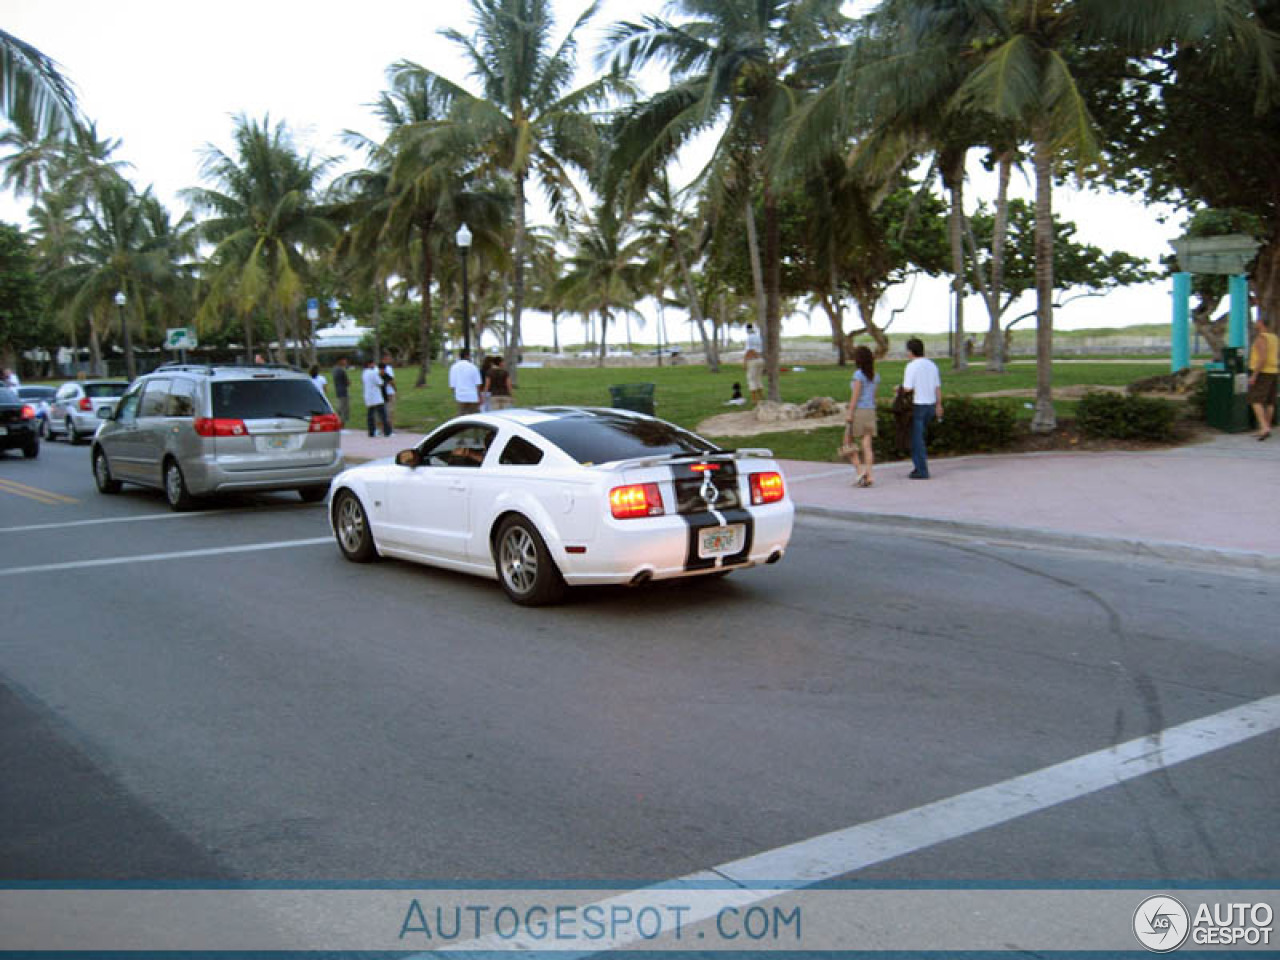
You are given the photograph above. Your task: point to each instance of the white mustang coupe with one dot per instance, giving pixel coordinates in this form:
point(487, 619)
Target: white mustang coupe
point(554, 496)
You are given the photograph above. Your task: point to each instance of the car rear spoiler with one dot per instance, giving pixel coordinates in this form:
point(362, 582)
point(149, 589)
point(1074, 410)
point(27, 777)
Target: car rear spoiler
point(636, 463)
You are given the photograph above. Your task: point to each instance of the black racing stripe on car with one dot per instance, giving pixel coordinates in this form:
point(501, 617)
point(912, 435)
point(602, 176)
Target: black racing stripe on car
point(704, 519)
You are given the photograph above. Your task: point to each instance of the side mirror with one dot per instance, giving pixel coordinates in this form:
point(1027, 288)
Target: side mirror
point(409, 458)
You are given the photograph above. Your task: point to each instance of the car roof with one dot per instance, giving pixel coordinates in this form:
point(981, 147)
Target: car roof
point(260, 371)
point(528, 416)
point(81, 383)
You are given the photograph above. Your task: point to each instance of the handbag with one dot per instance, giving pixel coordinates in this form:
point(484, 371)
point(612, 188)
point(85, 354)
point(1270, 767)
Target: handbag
point(849, 443)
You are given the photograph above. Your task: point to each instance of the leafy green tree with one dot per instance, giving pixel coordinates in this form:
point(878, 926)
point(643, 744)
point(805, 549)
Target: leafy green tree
point(20, 300)
point(265, 217)
point(736, 66)
point(33, 90)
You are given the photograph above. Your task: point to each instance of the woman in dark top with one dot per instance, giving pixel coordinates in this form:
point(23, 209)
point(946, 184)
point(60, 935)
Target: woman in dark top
point(497, 383)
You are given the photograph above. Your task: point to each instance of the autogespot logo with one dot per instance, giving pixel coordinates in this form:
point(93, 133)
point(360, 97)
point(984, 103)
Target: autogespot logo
point(1161, 924)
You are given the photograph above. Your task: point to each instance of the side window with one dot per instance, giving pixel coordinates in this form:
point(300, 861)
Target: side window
point(464, 447)
point(182, 399)
point(520, 452)
point(155, 396)
point(127, 411)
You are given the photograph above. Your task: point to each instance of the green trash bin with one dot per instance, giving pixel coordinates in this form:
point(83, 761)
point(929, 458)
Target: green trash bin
point(637, 397)
point(1227, 393)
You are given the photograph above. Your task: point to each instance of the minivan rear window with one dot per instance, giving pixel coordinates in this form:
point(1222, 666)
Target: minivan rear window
point(604, 437)
point(264, 399)
point(105, 389)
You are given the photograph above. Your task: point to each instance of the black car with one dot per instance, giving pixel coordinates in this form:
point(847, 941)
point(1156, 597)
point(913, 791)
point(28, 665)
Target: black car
point(18, 424)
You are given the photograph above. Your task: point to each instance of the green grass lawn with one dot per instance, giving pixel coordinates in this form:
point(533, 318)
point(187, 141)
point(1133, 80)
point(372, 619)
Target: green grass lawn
point(688, 394)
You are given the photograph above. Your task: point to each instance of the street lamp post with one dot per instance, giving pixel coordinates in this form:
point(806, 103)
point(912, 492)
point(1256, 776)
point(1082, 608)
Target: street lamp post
point(463, 237)
point(129, 368)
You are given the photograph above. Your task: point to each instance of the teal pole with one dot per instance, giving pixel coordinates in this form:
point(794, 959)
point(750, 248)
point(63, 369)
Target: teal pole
point(1181, 346)
point(1237, 325)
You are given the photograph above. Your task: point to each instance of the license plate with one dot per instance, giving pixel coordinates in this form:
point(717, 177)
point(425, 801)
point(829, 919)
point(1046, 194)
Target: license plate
point(720, 541)
point(278, 441)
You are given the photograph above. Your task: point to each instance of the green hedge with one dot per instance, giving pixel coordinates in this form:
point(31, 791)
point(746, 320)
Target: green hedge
point(968, 426)
point(1115, 416)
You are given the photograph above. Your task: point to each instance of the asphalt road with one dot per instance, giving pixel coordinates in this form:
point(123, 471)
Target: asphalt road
point(219, 695)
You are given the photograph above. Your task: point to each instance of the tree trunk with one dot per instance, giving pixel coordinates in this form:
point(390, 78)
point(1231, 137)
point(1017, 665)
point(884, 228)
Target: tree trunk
point(757, 273)
point(773, 293)
point(997, 357)
point(604, 328)
point(248, 338)
point(517, 286)
point(424, 327)
point(835, 316)
point(1044, 419)
point(95, 350)
point(555, 330)
point(954, 179)
point(1266, 283)
point(282, 335)
point(867, 313)
point(709, 347)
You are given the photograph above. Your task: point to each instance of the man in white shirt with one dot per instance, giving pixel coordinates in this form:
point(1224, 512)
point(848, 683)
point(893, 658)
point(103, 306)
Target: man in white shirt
point(922, 377)
point(753, 362)
point(375, 405)
point(464, 381)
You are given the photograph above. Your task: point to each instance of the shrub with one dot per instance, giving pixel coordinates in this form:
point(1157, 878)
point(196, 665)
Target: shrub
point(968, 426)
point(1114, 416)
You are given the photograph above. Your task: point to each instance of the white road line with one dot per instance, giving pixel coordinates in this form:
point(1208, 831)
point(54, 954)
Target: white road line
point(147, 516)
point(831, 855)
point(153, 557)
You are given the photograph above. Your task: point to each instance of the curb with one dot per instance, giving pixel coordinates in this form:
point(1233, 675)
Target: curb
point(1031, 536)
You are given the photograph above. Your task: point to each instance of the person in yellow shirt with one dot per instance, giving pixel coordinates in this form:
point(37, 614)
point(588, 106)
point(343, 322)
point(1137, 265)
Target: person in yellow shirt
point(1264, 365)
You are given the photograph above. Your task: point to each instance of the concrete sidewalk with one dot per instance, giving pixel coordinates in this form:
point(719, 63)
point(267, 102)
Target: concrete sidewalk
point(1211, 502)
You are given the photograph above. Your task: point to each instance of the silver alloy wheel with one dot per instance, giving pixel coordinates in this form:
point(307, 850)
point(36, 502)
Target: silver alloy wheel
point(100, 471)
point(72, 436)
point(173, 487)
point(350, 525)
point(519, 559)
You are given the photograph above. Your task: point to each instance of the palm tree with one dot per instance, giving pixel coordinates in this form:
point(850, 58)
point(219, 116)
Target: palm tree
point(526, 124)
point(265, 218)
point(33, 91)
point(736, 63)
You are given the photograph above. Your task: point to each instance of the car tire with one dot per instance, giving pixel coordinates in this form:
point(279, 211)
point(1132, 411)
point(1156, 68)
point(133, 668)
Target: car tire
point(72, 436)
point(102, 474)
point(351, 528)
point(175, 487)
point(526, 571)
point(312, 494)
point(31, 450)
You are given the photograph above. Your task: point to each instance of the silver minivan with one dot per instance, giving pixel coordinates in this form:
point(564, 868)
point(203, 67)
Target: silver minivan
point(192, 430)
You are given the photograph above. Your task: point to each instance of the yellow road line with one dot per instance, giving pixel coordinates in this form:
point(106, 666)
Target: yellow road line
point(33, 493)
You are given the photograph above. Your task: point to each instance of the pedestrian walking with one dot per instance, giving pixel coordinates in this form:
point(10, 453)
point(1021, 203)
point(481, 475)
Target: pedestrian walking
point(497, 385)
point(388, 374)
point(753, 363)
point(318, 378)
point(342, 389)
point(484, 383)
point(860, 429)
point(1264, 366)
point(375, 405)
point(464, 380)
point(922, 378)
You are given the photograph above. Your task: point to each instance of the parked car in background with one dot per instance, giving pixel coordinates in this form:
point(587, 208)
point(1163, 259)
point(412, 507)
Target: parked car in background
point(39, 397)
point(544, 498)
point(18, 424)
point(191, 430)
point(73, 411)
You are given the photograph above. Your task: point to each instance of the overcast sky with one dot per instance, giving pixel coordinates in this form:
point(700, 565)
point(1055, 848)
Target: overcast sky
point(167, 76)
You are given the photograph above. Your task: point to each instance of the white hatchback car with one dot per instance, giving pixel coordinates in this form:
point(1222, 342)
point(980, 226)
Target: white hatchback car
point(552, 496)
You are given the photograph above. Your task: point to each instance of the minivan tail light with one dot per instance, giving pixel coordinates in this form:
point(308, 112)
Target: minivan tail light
point(636, 500)
point(325, 423)
point(220, 427)
point(766, 488)
point(86, 404)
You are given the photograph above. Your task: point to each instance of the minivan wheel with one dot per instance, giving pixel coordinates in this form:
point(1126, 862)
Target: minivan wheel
point(72, 436)
point(175, 487)
point(102, 474)
point(525, 569)
point(351, 527)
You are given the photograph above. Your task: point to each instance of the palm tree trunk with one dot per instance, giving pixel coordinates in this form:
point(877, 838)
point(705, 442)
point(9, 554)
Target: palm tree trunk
point(604, 328)
point(424, 328)
point(695, 311)
point(1044, 420)
point(282, 335)
point(757, 273)
point(954, 178)
point(996, 357)
point(248, 337)
point(517, 286)
point(773, 293)
point(95, 349)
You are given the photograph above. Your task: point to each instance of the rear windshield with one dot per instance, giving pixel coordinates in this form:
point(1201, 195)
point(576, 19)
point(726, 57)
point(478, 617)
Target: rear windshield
point(105, 389)
point(263, 399)
point(605, 437)
point(36, 393)
point(8, 396)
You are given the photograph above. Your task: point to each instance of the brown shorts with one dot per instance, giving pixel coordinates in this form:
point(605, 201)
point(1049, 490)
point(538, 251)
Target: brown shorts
point(1263, 390)
point(864, 422)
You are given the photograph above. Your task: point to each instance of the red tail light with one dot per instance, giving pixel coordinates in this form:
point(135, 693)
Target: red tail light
point(636, 500)
point(218, 427)
point(28, 412)
point(766, 488)
point(325, 423)
point(86, 404)
point(704, 467)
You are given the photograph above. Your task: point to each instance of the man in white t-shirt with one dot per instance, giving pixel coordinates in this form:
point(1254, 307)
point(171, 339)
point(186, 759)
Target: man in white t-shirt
point(464, 381)
point(922, 377)
point(753, 362)
point(374, 403)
